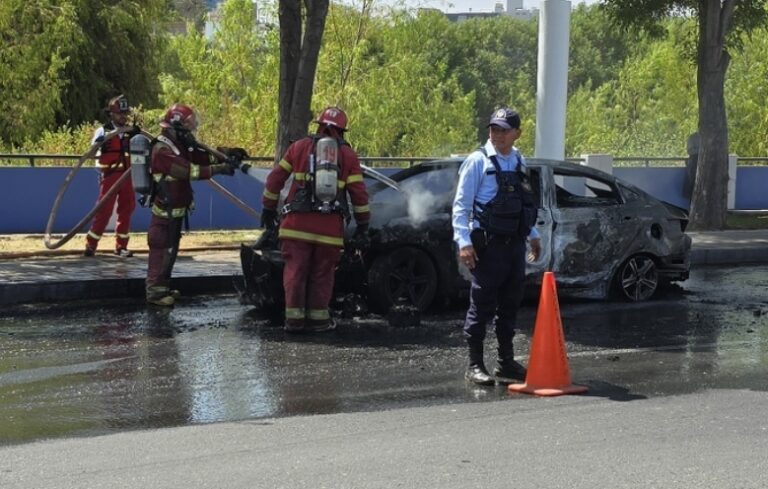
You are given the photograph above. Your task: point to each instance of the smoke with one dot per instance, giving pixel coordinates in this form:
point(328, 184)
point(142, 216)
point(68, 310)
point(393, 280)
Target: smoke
point(421, 202)
point(421, 196)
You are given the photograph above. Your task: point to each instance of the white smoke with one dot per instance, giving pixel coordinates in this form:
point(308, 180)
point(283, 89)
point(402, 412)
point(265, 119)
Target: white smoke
point(421, 202)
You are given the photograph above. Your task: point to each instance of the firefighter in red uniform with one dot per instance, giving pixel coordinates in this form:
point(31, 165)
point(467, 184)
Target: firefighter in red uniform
point(324, 170)
point(113, 161)
point(176, 160)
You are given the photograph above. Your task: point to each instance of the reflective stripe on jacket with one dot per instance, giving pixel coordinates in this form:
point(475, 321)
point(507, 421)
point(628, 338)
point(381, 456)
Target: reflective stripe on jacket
point(316, 227)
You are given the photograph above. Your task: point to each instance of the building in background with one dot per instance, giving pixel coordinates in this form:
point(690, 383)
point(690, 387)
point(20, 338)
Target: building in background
point(261, 17)
point(514, 8)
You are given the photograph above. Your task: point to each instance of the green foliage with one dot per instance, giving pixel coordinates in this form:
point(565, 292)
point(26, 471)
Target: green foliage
point(231, 80)
point(394, 82)
point(496, 59)
point(650, 109)
point(746, 92)
point(412, 83)
point(67, 58)
point(598, 48)
point(38, 39)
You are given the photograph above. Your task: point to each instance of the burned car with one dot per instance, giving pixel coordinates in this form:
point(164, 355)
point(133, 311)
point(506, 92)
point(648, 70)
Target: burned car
point(601, 237)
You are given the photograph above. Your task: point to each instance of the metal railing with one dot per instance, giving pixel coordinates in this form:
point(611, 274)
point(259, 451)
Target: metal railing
point(57, 160)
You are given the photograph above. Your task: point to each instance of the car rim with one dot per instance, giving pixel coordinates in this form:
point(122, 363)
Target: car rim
point(639, 278)
point(408, 279)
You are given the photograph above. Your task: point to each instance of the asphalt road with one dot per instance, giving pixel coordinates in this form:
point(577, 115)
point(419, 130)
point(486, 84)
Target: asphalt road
point(677, 396)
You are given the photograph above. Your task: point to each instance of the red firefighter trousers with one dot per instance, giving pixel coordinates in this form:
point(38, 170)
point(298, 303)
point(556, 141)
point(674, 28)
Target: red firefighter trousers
point(126, 203)
point(163, 237)
point(308, 277)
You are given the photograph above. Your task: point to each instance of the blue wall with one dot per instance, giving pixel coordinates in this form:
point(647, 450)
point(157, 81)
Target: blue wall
point(27, 195)
point(663, 183)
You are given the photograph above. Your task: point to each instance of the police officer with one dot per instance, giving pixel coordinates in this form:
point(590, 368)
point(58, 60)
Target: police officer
point(493, 215)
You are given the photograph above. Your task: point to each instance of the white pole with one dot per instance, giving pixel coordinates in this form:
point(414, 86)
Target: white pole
point(552, 85)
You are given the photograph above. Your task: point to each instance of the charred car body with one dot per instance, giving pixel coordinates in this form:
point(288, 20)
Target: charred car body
point(600, 236)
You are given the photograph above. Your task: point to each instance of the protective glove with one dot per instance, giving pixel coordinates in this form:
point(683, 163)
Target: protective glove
point(222, 169)
point(233, 162)
point(129, 131)
point(360, 239)
point(239, 154)
point(269, 219)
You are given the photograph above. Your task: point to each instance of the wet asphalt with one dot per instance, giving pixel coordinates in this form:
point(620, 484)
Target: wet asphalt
point(84, 369)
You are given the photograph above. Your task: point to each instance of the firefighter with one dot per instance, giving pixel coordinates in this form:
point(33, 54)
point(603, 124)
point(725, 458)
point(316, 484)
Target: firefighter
point(113, 161)
point(176, 160)
point(325, 169)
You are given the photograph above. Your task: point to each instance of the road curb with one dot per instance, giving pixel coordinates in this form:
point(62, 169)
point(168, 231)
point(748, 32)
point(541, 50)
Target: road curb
point(108, 289)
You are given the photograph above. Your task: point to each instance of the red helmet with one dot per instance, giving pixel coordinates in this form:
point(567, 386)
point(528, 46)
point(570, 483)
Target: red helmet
point(333, 116)
point(180, 116)
point(118, 105)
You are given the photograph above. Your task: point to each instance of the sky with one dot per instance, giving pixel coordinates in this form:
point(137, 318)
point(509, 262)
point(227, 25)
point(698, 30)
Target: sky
point(451, 6)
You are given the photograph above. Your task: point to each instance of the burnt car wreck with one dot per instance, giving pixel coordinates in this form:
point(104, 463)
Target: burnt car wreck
point(601, 236)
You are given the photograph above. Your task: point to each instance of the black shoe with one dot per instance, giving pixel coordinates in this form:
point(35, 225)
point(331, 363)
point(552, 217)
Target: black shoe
point(294, 327)
point(89, 251)
point(510, 372)
point(124, 252)
point(320, 326)
point(478, 375)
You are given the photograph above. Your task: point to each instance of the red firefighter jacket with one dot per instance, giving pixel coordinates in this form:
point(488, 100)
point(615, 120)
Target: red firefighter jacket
point(316, 227)
point(173, 168)
point(114, 155)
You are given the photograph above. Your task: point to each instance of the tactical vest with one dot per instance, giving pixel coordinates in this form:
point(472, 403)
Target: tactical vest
point(512, 211)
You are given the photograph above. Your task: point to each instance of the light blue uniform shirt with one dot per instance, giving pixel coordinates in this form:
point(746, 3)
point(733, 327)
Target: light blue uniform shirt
point(475, 185)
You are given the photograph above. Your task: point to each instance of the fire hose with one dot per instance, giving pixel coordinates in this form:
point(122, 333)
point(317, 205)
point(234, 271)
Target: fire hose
point(47, 239)
point(65, 185)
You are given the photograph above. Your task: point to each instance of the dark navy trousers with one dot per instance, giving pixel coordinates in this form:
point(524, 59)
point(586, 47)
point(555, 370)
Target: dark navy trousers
point(498, 283)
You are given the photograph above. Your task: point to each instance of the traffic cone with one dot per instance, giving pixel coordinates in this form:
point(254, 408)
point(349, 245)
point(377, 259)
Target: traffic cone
point(548, 371)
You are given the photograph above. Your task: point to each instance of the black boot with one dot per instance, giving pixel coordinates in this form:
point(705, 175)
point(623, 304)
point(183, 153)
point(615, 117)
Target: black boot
point(508, 370)
point(476, 372)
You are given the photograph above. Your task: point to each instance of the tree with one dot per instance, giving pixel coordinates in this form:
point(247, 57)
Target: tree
point(654, 94)
point(298, 63)
point(720, 22)
point(746, 95)
point(229, 79)
point(496, 58)
point(391, 74)
point(38, 38)
point(63, 59)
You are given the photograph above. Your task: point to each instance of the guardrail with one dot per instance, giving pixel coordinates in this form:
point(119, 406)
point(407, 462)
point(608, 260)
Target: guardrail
point(58, 160)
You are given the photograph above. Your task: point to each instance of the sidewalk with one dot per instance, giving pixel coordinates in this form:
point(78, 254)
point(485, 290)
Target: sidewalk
point(72, 277)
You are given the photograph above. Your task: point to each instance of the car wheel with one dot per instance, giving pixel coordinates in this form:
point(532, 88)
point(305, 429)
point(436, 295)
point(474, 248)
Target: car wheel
point(407, 274)
point(637, 278)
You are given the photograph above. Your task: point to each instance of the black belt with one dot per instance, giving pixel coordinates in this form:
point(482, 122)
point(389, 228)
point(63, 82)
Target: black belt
point(500, 238)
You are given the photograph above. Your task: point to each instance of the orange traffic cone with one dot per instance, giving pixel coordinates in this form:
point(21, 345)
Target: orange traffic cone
point(548, 371)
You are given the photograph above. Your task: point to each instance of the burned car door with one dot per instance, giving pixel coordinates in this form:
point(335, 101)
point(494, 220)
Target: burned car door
point(539, 176)
point(592, 230)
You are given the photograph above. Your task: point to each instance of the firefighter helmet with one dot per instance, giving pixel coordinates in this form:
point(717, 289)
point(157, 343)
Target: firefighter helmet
point(180, 116)
point(118, 105)
point(333, 116)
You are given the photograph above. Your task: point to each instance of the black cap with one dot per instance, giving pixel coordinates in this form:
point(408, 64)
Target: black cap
point(506, 118)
